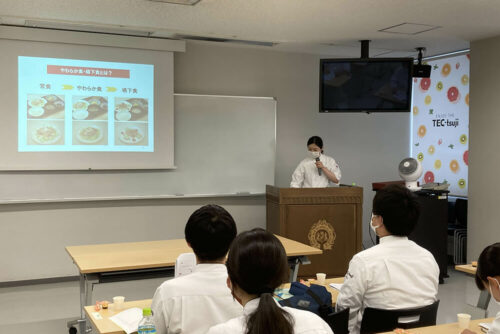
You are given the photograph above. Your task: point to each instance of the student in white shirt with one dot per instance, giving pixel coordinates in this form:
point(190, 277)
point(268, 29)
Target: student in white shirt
point(395, 274)
point(316, 171)
point(257, 264)
point(193, 303)
point(488, 277)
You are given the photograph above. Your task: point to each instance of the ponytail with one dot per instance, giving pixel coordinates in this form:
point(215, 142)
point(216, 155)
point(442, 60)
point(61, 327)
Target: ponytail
point(257, 264)
point(269, 318)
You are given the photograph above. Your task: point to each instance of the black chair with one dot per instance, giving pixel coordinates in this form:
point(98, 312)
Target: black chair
point(377, 320)
point(339, 321)
point(461, 211)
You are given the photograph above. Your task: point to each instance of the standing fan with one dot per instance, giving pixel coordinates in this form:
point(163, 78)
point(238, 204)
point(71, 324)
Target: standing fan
point(410, 170)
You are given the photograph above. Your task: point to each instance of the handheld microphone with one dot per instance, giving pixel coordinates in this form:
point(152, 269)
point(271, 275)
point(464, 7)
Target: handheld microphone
point(319, 169)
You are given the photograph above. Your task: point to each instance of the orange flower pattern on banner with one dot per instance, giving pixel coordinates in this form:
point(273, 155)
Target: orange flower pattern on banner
point(445, 71)
point(422, 131)
point(440, 126)
point(454, 166)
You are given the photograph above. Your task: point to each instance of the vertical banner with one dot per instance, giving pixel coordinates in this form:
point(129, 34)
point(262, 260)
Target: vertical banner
point(440, 123)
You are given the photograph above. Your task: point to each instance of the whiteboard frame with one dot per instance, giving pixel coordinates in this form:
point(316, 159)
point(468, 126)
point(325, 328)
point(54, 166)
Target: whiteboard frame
point(125, 198)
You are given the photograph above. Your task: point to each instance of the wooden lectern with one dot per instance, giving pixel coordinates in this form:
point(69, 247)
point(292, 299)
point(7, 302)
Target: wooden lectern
point(326, 218)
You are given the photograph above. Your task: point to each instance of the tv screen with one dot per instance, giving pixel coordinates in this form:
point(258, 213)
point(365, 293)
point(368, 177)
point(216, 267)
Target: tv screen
point(371, 85)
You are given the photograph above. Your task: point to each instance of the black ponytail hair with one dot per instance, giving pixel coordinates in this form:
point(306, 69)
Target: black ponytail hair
point(488, 264)
point(316, 141)
point(257, 264)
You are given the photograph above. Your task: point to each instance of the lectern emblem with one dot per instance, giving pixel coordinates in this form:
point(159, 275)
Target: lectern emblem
point(322, 235)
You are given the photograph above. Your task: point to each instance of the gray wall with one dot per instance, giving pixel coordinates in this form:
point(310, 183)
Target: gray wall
point(368, 148)
point(484, 120)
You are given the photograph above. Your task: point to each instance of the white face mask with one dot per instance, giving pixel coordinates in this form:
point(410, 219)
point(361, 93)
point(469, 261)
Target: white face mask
point(491, 292)
point(374, 228)
point(314, 154)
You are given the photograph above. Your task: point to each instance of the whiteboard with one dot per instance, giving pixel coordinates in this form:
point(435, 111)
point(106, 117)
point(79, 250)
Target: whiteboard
point(224, 145)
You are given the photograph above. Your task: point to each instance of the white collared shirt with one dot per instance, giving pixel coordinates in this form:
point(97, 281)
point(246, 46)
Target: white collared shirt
point(495, 325)
point(395, 274)
point(306, 174)
point(305, 322)
point(193, 303)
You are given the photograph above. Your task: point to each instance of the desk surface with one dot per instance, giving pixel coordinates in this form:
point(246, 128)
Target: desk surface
point(149, 254)
point(451, 328)
point(106, 326)
point(466, 268)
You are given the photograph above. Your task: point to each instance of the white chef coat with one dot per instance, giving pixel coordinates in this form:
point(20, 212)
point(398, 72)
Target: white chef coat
point(495, 325)
point(395, 274)
point(193, 303)
point(306, 174)
point(306, 322)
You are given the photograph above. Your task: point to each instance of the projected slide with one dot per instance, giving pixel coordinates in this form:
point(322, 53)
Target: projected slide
point(70, 105)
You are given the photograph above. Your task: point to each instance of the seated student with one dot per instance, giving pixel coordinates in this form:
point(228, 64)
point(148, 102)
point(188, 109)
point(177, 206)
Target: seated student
point(488, 277)
point(257, 264)
point(193, 303)
point(395, 274)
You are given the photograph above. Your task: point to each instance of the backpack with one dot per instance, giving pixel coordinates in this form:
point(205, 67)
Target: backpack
point(315, 299)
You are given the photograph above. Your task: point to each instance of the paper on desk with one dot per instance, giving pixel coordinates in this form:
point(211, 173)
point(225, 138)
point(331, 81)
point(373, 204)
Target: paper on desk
point(336, 286)
point(485, 325)
point(128, 320)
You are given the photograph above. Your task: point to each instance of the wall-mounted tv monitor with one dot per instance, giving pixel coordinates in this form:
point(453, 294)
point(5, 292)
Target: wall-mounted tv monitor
point(365, 85)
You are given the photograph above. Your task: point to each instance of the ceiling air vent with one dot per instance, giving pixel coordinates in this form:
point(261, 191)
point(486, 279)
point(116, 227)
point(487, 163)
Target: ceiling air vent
point(115, 30)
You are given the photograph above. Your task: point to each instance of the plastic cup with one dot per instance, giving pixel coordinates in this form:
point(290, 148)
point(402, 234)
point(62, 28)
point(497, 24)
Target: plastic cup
point(320, 277)
point(118, 302)
point(463, 320)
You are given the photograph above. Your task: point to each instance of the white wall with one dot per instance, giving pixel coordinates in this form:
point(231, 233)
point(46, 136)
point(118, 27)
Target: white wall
point(368, 148)
point(484, 159)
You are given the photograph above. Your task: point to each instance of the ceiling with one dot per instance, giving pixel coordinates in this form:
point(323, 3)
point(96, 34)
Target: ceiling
point(325, 27)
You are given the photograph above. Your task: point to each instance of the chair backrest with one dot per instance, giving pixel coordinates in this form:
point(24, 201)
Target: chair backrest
point(461, 211)
point(339, 321)
point(185, 264)
point(377, 320)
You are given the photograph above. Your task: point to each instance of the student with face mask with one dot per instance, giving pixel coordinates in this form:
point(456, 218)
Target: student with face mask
point(395, 274)
point(317, 170)
point(488, 277)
